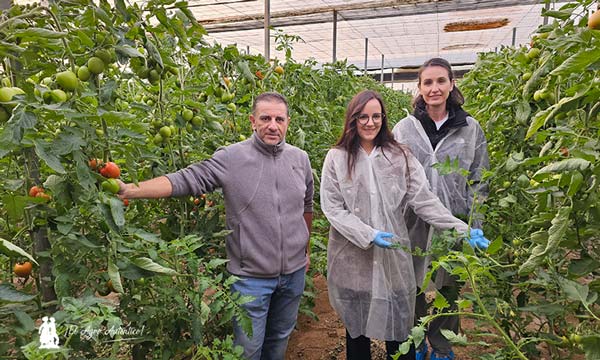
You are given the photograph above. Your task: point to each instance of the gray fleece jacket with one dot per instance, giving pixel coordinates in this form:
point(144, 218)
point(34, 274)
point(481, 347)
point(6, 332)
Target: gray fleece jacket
point(267, 190)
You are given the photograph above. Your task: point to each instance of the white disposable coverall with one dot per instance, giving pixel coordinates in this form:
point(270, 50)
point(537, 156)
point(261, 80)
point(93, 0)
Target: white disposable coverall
point(468, 144)
point(373, 289)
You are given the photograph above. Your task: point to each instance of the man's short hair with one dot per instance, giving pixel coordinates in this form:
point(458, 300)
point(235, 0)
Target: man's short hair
point(271, 97)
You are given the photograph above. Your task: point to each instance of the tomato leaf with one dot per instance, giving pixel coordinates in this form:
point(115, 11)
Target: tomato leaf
point(454, 338)
point(107, 91)
point(33, 33)
point(120, 5)
point(562, 15)
point(154, 54)
point(84, 38)
point(128, 51)
point(13, 131)
point(560, 224)
point(11, 250)
point(245, 69)
point(418, 334)
point(107, 217)
point(115, 277)
point(578, 62)
point(523, 111)
point(575, 183)
point(51, 160)
point(564, 165)
point(14, 206)
point(147, 264)
point(117, 211)
point(102, 15)
point(577, 292)
point(9, 294)
point(8, 48)
point(25, 320)
point(591, 346)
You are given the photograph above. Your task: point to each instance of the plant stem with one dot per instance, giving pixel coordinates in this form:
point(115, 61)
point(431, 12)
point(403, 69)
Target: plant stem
point(490, 319)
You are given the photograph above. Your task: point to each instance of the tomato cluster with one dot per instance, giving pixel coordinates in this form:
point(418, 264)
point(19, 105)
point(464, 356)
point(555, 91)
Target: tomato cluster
point(39, 192)
point(110, 171)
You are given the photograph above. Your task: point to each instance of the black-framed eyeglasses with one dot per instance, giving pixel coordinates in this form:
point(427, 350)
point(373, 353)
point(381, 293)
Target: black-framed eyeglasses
point(363, 119)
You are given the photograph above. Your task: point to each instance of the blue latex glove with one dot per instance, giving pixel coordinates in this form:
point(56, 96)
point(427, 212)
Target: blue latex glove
point(380, 241)
point(477, 240)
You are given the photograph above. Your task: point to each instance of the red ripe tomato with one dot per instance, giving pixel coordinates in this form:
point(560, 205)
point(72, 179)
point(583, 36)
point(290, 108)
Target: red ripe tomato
point(23, 270)
point(34, 190)
point(110, 170)
point(125, 202)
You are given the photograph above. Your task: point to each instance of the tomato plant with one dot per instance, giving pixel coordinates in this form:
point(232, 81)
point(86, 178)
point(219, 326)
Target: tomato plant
point(543, 139)
point(149, 96)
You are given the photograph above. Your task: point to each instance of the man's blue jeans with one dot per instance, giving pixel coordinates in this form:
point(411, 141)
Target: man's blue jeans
point(273, 312)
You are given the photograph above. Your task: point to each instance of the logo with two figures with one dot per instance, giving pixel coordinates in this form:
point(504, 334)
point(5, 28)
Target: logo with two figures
point(48, 336)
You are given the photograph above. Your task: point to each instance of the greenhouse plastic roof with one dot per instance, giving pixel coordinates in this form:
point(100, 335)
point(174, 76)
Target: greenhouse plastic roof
point(405, 32)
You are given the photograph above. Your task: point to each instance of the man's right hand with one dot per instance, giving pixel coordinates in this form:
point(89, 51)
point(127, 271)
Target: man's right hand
point(159, 187)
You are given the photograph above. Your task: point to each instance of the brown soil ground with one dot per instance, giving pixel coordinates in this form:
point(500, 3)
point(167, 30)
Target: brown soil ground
point(325, 339)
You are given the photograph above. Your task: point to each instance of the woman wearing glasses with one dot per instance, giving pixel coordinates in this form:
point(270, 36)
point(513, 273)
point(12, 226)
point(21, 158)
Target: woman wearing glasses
point(437, 130)
point(367, 180)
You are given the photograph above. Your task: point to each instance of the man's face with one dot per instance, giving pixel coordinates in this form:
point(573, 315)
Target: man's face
point(270, 120)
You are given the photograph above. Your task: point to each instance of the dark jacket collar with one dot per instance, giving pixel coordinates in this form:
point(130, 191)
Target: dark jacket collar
point(457, 117)
point(265, 148)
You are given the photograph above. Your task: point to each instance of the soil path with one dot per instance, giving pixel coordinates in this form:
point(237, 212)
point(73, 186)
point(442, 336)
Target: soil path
point(325, 339)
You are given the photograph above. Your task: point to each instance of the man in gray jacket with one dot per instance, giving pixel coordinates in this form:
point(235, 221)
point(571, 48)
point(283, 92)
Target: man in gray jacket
point(268, 190)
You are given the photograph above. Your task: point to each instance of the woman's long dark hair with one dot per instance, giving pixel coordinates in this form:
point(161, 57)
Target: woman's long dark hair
point(350, 140)
point(456, 98)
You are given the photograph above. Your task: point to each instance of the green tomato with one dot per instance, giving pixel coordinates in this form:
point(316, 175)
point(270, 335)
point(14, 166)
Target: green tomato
point(157, 139)
point(58, 96)
point(165, 132)
point(95, 65)
point(67, 80)
point(231, 107)
point(111, 186)
point(84, 73)
point(197, 121)
point(153, 76)
point(533, 53)
point(187, 114)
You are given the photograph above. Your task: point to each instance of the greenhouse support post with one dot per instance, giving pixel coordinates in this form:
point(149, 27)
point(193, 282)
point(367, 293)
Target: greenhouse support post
point(366, 53)
point(514, 36)
point(334, 40)
point(267, 21)
point(382, 58)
